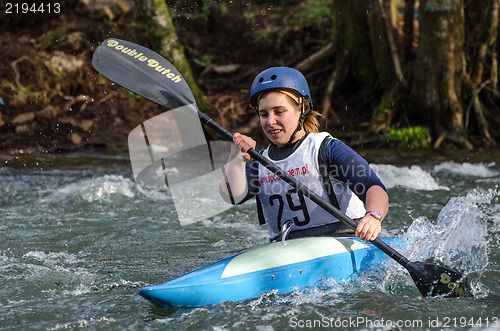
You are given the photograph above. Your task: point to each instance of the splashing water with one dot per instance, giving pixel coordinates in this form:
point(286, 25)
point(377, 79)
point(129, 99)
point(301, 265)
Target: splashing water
point(461, 236)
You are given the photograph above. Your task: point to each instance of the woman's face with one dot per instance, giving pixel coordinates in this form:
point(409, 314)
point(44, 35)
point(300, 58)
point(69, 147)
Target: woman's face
point(279, 118)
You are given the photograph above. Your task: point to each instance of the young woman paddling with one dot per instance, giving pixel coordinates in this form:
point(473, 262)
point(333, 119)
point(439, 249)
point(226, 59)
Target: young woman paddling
point(324, 164)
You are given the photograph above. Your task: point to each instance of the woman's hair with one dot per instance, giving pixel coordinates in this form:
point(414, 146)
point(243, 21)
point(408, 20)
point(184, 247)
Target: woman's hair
point(311, 120)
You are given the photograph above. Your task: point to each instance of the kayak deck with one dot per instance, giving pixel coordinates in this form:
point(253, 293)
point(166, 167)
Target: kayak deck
point(282, 267)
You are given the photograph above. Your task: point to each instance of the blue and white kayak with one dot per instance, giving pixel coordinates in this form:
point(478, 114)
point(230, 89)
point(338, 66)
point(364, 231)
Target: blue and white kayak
point(282, 267)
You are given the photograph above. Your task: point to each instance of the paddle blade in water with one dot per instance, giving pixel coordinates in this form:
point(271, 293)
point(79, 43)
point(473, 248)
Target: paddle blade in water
point(433, 280)
point(143, 72)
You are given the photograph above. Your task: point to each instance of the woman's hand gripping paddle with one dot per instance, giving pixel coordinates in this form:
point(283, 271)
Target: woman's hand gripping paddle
point(149, 75)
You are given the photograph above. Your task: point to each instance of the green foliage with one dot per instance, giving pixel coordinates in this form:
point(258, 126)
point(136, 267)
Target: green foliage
point(316, 11)
point(204, 61)
point(206, 10)
point(249, 16)
point(112, 23)
point(410, 137)
point(132, 94)
point(312, 19)
point(47, 41)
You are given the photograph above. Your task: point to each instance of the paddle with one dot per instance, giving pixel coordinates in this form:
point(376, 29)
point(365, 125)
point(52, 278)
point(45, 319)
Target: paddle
point(149, 75)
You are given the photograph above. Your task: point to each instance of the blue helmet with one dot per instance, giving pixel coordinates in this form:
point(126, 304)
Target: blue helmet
point(280, 78)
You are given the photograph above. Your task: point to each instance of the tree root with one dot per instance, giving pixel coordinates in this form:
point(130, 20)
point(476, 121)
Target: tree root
point(456, 138)
point(321, 57)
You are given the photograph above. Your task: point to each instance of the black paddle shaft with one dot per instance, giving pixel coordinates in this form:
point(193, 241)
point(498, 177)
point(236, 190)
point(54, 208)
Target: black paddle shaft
point(430, 279)
point(223, 133)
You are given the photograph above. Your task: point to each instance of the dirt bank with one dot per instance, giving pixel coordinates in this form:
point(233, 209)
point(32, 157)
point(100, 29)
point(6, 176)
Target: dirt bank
point(52, 100)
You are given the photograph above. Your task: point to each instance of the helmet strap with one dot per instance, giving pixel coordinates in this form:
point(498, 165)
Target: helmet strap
point(299, 126)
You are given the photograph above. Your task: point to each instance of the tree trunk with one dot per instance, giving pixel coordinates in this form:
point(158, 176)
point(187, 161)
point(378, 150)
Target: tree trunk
point(387, 63)
point(439, 69)
point(352, 34)
point(164, 41)
point(408, 31)
point(362, 40)
point(483, 17)
point(347, 51)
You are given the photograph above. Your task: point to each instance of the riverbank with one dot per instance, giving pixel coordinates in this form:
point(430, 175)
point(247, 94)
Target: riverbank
point(52, 101)
point(397, 156)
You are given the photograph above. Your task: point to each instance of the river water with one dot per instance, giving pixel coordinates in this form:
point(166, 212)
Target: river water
point(79, 238)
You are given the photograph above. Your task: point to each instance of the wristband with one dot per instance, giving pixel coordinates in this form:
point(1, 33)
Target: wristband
point(375, 214)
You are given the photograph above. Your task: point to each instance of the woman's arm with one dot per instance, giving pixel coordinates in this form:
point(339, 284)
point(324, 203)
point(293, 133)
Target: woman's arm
point(234, 180)
point(349, 167)
point(376, 200)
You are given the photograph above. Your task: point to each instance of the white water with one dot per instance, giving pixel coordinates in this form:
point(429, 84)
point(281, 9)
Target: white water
point(413, 177)
point(468, 169)
point(76, 245)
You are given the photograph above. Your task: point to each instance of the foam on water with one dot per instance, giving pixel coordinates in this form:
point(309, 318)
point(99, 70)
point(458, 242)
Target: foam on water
point(52, 258)
point(461, 237)
point(46, 274)
point(101, 189)
point(467, 169)
point(153, 194)
point(84, 323)
point(413, 177)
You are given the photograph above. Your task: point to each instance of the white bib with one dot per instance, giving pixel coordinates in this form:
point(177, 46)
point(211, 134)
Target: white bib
point(280, 202)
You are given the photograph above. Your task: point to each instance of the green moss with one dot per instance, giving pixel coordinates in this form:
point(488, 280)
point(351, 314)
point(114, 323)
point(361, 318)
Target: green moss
point(417, 137)
point(112, 23)
point(312, 19)
point(316, 11)
point(133, 95)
